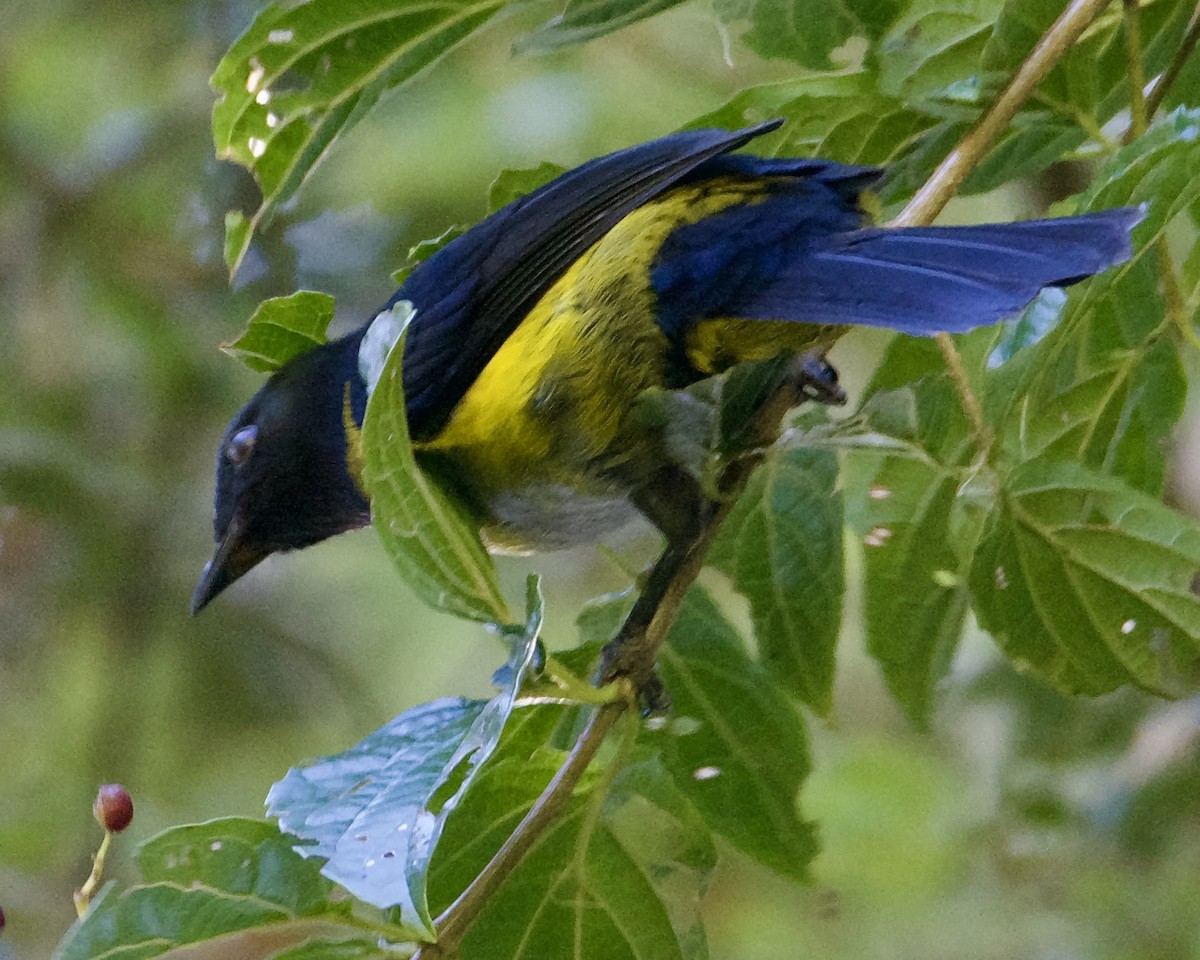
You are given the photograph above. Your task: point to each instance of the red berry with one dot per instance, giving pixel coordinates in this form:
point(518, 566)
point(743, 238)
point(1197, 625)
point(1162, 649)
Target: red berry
point(113, 808)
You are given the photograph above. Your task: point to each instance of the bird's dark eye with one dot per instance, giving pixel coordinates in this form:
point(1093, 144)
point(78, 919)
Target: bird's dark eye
point(241, 445)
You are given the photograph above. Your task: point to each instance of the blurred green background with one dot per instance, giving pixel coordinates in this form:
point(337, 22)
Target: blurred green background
point(1023, 825)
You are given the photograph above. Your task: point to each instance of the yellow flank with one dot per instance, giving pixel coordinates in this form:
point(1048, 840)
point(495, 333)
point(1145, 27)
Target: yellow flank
point(718, 343)
point(547, 409)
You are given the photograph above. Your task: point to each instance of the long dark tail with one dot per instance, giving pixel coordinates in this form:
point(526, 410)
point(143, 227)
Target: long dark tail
point(922, 280)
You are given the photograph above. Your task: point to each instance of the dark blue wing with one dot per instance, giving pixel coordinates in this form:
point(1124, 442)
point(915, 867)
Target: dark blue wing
point(473, 293)
point(801, 254)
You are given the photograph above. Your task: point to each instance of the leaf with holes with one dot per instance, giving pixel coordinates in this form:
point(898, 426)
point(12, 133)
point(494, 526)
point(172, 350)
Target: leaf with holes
point(303, 74)
point(1089, 581)
point(735, 745)
point(782, 547)
point(233, 887)
point(375, 812)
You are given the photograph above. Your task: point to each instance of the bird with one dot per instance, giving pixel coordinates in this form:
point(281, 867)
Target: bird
point(535, 332)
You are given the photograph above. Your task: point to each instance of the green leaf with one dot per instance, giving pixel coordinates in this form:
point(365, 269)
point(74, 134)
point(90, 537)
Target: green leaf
point(1106, 387)
point(665, 835)
point(843, 117)
point(584, 20)
point(934, 44)
point(282, 328)
point(914, 589)
point(303, 74)
point(782, 547)
point(804, 31)
point(376, 811)
point(1087, 580)
point(735, 746)
point(511, 185)
point(424, 250)
point(904, 498)
point(228, 885)
point(580, 892)
point(428, 533)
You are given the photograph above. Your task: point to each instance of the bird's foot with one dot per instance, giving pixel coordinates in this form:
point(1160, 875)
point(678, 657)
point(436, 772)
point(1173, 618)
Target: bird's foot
point(818, 379)
point(652, 695)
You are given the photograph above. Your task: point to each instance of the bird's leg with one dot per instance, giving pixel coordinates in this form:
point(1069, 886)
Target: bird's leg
point(674, 501)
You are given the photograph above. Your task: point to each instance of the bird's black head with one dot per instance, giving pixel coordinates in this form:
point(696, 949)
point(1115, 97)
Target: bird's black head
point(283, 479)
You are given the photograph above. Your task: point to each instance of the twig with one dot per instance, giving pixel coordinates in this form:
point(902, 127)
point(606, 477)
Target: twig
point(936, 192)
point(1159, 92)
point(1138, 115)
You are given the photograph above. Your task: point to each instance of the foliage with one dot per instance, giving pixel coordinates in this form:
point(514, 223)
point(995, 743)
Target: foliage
point(1045, 520)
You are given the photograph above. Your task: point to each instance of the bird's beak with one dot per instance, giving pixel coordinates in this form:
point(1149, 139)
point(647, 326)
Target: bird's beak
point(234, 558)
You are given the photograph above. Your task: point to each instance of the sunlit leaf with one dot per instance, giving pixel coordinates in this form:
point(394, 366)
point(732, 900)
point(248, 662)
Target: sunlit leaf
point(282, 328)
point(429, 534)
point(1087, 580)
point(303, 74)
point(376, 811)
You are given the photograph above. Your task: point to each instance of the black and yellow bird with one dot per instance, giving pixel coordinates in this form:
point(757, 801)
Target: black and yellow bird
point(535, 332)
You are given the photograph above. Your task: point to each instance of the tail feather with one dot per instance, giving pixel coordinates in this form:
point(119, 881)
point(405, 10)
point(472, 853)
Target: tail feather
point(923, 280)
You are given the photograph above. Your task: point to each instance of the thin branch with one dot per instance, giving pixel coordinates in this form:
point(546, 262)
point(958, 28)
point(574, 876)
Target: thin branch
point(936, 192)
point(1159, 92)
point(1138, 115)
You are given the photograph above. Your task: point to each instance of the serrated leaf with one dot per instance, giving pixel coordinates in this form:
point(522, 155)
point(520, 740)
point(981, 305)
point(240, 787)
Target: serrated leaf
point(511, 185)
point(428, 533)
point(303, 74)
point(236, 855)
point(735, 746)
point(376, 811)
point(578, 894)
point(234, 883)
point(1092, 76)
point(914, 584)
point(583, 20)
point(782, 547)
point(1087, 580)
point(282, 328)
point(934, 44)
point(1106, 387)
point(843, 117)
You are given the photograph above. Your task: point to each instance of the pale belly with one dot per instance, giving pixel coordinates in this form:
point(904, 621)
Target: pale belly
point(552, 517)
